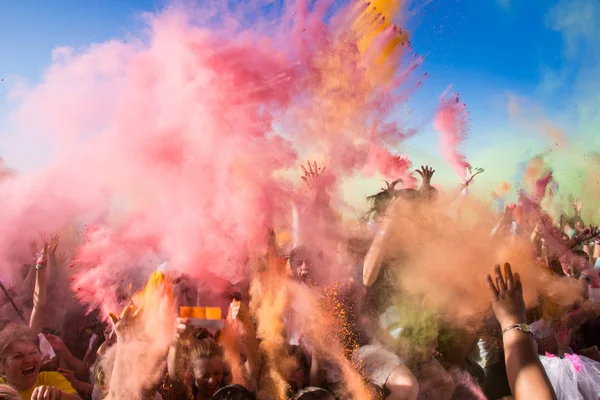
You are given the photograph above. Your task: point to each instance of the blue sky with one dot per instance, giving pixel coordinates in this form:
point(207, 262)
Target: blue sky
point(541, 50)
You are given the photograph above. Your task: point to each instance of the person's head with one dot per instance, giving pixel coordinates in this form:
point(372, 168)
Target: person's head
point(313, 393)
point(20, 357)
point(302, 263)
point(101, 385)
point(8, 393)
point(7, 324)
point(298, 377)
point(206, 361)
point(234, 392)
point(575, 262)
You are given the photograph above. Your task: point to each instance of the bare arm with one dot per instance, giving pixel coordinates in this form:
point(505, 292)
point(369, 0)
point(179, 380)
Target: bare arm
point(376, 253)
point(38, 314)
point(70, 361)
point(526, 375)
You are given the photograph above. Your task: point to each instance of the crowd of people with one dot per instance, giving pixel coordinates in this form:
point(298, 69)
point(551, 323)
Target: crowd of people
point(546, 350)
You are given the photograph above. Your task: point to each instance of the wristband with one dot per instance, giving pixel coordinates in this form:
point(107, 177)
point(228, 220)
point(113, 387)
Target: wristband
point(520, 327)
point(40, 265)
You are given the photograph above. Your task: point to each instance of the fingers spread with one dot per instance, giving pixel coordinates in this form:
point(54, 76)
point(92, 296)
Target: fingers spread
point(493, 290)
point(510, 283)
point(499, 279)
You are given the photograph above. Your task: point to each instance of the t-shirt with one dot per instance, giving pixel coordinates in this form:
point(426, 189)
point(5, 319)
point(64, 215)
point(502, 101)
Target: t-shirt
point(53, 379)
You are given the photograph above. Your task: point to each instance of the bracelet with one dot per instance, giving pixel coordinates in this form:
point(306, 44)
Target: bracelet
point(40, 266)
point(520, 327)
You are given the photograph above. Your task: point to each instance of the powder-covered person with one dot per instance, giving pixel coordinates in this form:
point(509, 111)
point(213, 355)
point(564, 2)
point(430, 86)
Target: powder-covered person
point(20, 361)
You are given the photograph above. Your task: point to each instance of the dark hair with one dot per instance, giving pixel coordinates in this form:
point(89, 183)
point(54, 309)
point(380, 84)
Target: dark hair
point(313, 393)
point(581, 253)
point(234, 392)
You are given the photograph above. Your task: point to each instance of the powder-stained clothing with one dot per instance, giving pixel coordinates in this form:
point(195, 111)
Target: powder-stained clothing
point(53, 379)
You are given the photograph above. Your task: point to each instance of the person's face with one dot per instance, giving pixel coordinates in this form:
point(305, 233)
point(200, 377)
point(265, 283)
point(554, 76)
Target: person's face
point(573, 265)
point(22, 365)
point(301, 269)
point(208, 375)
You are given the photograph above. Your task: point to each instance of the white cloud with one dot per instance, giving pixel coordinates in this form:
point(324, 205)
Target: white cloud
point(576, 20)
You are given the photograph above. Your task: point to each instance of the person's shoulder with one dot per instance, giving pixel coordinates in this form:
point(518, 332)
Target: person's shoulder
point(50, 376)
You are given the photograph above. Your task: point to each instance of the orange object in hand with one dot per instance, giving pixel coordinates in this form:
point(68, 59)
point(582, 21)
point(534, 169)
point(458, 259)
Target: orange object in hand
point(192, 312)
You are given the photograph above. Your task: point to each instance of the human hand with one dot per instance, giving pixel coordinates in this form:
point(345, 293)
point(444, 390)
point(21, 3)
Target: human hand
point(563, 338)
point(313, 173)
point(238, 310)
point(53, 243)
point(585, 234)
point(578, 205)
point(46, 393)
point(471, 173)
point(43, 256)
point(183, 329)
point(33, 249)
point(57, 344)
point(426, 173)
point(61, 258)
point(69, 375)
point(125, 325)
point(507, 297)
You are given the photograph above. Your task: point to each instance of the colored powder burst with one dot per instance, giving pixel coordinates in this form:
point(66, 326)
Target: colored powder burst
point(169, 141)
point(451, 122)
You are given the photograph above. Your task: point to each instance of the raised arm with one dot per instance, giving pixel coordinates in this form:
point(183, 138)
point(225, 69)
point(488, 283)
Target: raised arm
point(125, 329)
point(376, 253)
point(526, 375)
point(38, 314)
point(175, 364)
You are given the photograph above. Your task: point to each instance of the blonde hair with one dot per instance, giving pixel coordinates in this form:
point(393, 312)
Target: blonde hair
point(16, 334)
point(204, 347)
point(8, 393)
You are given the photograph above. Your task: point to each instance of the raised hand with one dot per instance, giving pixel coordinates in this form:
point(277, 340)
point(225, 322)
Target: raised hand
point(61, 258)
point(57, 344)
point(53, 243)
point(33, 248)
point(507, 297)
point(426, 172)
point(183, 329)
point(42, 259)
point(471, 174)
point(312, 174)
point(578, 205)
point(587, 233)
point(125, 326)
